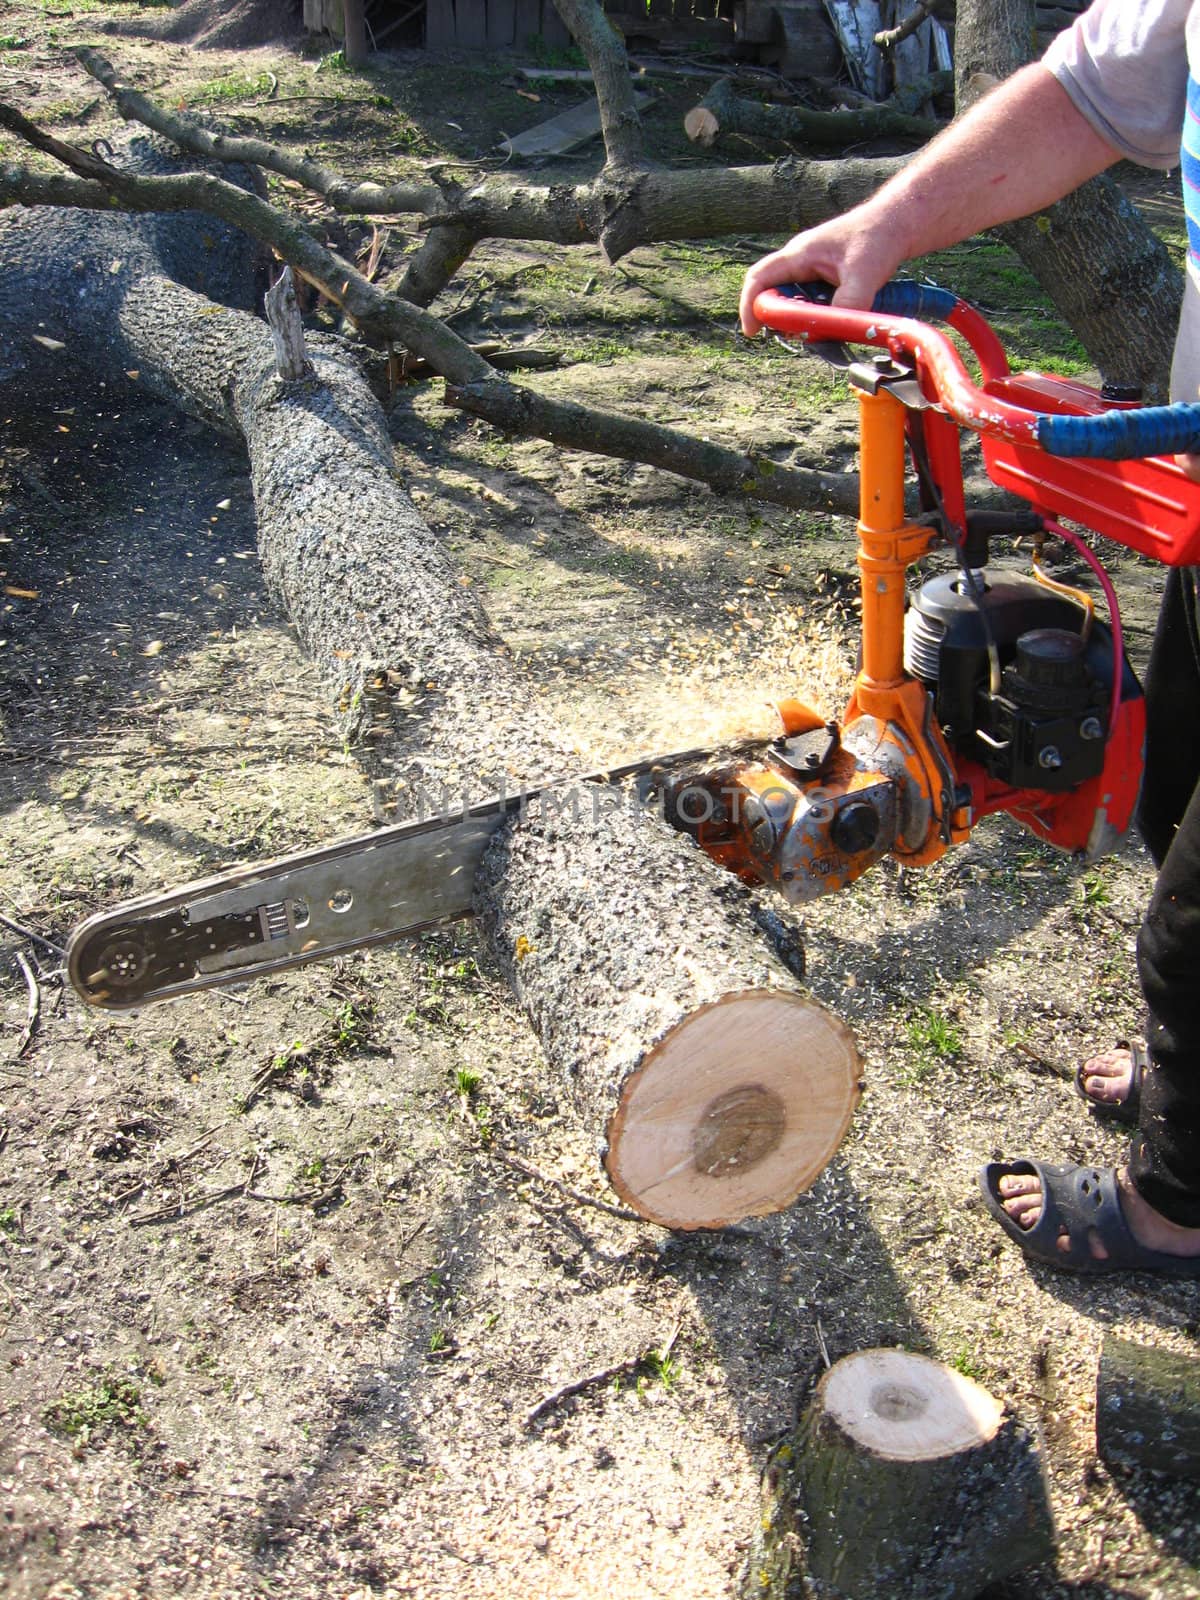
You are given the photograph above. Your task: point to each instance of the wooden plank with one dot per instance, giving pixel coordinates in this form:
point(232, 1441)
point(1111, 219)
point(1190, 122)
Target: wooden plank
point(528, 24)
point(555, 33)
point(470, 24)
point(439, 24)
point(501, 24)
point(563, 132)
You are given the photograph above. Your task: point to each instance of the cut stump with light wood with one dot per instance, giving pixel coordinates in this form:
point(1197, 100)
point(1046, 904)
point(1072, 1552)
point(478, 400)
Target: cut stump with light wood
point(911, 1479)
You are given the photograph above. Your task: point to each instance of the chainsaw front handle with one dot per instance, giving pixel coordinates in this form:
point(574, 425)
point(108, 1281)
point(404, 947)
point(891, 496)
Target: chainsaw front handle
point(899, 321)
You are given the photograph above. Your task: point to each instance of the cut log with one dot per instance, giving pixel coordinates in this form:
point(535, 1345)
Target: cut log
point(723, 111)
point(620, 936)
point(909, 1479)
point(721, 1090)
point(1148, 1408)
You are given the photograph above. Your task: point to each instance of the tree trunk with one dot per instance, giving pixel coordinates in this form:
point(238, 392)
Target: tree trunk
point(909, 1480)
point(639, 962)
point(1148, 1408)
point(1110, 279)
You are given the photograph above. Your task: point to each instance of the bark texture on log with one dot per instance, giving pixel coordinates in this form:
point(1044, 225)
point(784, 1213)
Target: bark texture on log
point(910, 1479)
point(1148, 1408)
point(721, 1089)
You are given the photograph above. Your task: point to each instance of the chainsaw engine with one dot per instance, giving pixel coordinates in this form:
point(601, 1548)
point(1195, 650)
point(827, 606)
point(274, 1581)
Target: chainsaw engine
point(1017, 685)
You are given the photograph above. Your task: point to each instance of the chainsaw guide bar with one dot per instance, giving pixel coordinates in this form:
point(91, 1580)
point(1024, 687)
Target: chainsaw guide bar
point(310, 906)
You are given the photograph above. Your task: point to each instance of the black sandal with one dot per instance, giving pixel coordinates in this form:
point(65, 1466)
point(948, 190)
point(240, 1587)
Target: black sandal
point(1128, 1110)
point(1084, 1203)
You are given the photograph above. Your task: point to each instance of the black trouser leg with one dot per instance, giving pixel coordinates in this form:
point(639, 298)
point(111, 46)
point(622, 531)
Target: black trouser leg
point(1165, 1157)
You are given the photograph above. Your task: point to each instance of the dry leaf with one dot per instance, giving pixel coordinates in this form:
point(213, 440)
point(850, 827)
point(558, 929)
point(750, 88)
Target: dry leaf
point(47, 343)
point(20, 594)
point(154, 648)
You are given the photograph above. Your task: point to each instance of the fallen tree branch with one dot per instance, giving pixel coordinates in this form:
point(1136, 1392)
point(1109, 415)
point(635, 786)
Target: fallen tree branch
point(519, 1164)
point(37, 938)
point(530, 415)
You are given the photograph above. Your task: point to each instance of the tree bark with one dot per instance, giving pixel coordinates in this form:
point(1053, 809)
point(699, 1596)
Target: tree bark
point(1110, 279)
point(618, 991)
point(904, 1478)
point(1148, 1408)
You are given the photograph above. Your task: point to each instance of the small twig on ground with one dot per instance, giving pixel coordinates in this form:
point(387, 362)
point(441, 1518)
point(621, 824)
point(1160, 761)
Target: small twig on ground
point(1043, 1060)
point(822, 1346)
point(606, 1375)
point(35, 1006)
point(28, 933)
point(519, 1164)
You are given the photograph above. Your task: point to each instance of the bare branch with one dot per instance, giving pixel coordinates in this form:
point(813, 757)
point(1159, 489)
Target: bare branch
point(526, 414)
point(360, 198)
point(889, 38)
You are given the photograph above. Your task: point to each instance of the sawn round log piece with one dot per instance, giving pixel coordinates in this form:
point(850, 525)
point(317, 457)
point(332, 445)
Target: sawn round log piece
point(718, 1087)
point(913, 1480)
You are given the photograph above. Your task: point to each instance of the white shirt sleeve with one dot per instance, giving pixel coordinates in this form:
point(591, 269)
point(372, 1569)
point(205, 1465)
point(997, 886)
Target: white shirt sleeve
point(1124, 64)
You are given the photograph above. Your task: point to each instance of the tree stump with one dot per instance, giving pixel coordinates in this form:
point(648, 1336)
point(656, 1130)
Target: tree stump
point(913, 1480)
point(1148, 1408)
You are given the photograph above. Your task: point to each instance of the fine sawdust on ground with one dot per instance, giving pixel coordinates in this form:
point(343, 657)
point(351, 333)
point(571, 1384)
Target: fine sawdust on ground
point(276, 1301)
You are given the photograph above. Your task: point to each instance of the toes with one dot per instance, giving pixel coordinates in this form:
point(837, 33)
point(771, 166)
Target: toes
point(1102, 1088)
point(1025, 1209)
point(1018, 1183)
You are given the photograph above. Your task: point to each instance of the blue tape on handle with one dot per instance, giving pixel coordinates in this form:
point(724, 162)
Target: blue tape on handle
point(900, 298)
point(904, 298)
point(1124, 435)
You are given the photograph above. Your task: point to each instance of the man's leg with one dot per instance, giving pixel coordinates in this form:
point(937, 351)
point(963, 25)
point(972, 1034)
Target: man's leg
point(1172, 715)
point(1161, 1187)
point(1165, 1155)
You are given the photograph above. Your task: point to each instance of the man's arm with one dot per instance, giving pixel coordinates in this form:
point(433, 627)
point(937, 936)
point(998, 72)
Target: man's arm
point(1020, 148)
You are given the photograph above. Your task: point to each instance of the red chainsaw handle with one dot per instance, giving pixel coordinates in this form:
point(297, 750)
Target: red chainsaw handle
point(942, 373)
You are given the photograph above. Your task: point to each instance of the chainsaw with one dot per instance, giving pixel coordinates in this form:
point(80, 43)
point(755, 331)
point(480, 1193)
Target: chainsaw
point(981, 690)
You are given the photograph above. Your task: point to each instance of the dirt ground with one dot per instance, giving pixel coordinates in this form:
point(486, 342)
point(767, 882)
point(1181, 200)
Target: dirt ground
point(279, 1284)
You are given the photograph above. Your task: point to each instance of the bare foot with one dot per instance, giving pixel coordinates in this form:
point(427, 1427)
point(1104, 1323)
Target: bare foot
point(1021, 1196)
point(1108, 1077)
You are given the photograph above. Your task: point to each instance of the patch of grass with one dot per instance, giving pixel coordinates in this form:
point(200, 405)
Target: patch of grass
point(932, 1039)
point(89, 1415)
point(1093, 890)
point(663, 1367)
point(234, 87)
point(466, 1082)
point(962, 1361)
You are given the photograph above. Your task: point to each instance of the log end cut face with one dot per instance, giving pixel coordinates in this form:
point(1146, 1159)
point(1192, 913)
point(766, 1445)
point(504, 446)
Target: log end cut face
point(736, 1111)
point(899, 1406)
